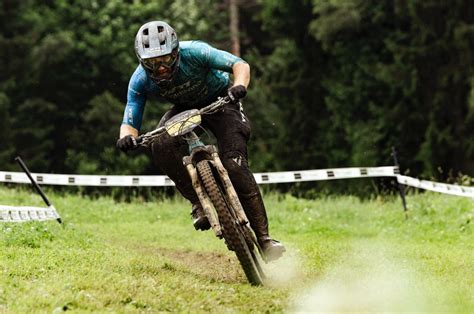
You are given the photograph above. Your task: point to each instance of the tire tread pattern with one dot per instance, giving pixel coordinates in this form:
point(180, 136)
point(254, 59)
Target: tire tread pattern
point(232, 235)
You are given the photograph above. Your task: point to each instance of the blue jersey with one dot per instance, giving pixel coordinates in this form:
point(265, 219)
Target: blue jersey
point(202, 75)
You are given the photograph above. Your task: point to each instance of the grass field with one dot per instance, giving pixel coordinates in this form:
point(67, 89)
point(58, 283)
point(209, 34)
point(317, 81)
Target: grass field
point(343, 254)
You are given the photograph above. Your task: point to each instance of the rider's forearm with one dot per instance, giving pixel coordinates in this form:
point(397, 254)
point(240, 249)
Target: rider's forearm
point(241, 71)
point(126, 129)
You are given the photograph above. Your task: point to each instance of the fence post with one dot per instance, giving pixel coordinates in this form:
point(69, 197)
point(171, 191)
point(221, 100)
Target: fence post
point(401, 187)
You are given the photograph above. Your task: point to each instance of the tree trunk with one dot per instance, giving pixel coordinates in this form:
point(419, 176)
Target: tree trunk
point(234, 26)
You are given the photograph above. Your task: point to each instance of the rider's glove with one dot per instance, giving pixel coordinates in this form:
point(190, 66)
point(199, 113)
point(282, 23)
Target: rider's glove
point(237, 92)
point(127, 143)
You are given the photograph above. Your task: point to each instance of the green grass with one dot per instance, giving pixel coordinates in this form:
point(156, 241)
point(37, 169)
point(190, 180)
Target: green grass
point(343, 254)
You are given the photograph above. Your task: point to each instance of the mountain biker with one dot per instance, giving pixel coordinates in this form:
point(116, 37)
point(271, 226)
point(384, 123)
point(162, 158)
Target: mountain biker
point(192, 74)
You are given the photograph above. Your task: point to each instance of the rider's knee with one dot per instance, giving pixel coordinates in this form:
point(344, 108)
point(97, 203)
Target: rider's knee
point(234, 161)
point(165, 150)
point(239, 172)
point(165, 143)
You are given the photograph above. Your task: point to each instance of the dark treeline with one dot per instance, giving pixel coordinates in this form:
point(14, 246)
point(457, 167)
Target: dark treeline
point(334, 83)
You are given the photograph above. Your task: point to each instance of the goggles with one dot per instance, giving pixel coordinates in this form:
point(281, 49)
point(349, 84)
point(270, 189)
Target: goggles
point(154, 63)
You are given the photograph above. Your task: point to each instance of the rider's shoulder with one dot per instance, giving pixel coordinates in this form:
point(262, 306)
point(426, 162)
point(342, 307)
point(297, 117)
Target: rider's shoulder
point(139, 76)
point(191, 46)
point(194, 51)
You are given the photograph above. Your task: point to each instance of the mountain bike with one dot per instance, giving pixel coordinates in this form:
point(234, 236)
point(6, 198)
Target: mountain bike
point(214, 188)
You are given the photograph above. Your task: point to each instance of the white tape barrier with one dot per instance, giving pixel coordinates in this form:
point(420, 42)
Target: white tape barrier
point(324, 174)
point(261, 178)
point(437, 187)
point(27, 213)
point(86, 180)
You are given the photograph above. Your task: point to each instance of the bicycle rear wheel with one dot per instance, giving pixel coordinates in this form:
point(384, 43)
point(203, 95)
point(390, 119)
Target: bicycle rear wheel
point(230, 229)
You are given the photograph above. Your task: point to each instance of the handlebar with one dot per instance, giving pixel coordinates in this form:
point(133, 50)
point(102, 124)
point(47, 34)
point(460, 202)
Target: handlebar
point(147, 138)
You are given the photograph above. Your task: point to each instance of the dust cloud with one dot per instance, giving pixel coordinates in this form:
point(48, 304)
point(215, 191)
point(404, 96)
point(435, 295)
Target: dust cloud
point(285, 271)
point(367, 279)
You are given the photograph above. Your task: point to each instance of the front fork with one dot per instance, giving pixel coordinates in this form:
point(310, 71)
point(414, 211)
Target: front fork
point(195, 145)
point(231, 195)
point(206, 203)
point(233, 198)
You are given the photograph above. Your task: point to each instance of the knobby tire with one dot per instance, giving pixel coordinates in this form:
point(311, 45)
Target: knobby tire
point(231, 232)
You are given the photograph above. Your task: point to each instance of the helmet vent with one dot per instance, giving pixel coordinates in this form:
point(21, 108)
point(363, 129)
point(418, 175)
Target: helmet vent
point(146, 41)
point(145, 31)
point(161, 35)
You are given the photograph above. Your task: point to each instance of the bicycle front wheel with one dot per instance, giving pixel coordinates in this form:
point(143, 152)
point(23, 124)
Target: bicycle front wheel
point(231, 231)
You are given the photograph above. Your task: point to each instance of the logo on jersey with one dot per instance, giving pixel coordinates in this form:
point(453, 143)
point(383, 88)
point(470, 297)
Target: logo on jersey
point(187, 92)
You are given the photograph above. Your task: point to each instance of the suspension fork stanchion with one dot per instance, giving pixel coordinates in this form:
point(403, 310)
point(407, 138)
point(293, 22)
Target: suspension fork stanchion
point(233, 197)
point(401, 188)
point(203, 198)
point(35, 185)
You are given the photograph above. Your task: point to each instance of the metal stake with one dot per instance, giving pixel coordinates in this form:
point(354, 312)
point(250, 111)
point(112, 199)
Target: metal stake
point(36, 186)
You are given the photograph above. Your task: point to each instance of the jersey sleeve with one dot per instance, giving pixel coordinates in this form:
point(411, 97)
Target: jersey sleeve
point(136, 99)
point(208, 56)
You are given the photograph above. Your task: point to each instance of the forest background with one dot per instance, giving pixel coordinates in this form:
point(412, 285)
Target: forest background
point(335, 83)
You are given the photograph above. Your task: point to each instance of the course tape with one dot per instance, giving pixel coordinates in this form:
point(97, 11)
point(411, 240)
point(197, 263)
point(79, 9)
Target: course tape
point(160, 180)
point(261, 178)
point(324, 174)
point(436, 186)
point(27, 213)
